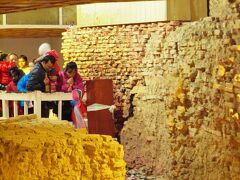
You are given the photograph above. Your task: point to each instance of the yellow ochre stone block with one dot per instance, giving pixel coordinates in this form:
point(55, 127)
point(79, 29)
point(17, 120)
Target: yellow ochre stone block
point(237, 77)
point(221, 71)
point(232, 59)
point(32, 148)
point(238, 47)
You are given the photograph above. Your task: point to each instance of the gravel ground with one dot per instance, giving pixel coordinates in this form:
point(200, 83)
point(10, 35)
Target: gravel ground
point(138, 175)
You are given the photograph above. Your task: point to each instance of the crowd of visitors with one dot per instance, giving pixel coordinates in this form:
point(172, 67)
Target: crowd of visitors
point(18, 74)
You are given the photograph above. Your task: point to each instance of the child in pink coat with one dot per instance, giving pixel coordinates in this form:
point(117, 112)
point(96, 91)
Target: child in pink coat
point(69, 80)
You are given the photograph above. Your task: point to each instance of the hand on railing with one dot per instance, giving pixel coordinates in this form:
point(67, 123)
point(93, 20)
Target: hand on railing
point(46, 80)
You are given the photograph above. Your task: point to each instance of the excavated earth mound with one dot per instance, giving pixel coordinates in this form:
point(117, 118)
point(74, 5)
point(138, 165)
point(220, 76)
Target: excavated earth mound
point(32, 148)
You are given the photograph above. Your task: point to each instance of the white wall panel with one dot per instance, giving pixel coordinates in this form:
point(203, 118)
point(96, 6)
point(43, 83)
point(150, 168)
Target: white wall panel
point(121, 13)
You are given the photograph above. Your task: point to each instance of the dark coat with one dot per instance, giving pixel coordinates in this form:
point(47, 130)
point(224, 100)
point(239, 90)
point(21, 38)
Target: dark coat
point(36, 80)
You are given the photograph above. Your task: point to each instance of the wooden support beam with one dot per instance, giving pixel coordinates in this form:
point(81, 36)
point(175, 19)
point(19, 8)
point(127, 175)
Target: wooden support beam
point(187, 10)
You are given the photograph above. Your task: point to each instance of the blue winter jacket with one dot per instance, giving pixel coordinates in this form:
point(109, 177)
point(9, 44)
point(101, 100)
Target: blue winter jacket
point(22, 85)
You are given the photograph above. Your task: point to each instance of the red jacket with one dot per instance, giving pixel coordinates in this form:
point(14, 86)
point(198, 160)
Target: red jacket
point(79, 114)
point(11, 87)
point(4, 74)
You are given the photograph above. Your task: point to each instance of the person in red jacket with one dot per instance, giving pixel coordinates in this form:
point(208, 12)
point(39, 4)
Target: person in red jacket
point(12, 57)
point(15, 75)
point(5, 65)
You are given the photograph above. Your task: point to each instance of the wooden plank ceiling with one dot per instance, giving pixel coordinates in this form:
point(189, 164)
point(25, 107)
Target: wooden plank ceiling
point(31, 32)
point(9, 6)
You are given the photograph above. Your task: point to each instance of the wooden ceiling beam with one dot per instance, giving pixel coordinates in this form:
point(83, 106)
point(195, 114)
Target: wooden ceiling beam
point(30, 33)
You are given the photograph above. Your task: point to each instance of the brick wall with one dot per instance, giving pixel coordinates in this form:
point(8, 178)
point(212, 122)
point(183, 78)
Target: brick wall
point(223, 8)
point(183, 80)
point(186, 118)
point(113, 52)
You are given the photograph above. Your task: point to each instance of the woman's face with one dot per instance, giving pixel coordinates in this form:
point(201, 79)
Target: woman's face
point(71, 73)
point(22, 63)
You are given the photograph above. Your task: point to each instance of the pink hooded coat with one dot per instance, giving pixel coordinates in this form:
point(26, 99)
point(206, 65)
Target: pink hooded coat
point(62, 82)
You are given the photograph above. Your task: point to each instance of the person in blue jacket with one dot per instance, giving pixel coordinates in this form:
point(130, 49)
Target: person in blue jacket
point(22, 87)
point(22, 83)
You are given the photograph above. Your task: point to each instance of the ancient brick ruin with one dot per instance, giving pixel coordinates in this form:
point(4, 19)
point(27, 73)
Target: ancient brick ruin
point(113, 52)
point(180, 83)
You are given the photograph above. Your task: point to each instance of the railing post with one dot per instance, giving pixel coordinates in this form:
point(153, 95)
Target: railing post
point(5, 109)
point(37, 97)
point(38, 103)
point(25, 108)
point(15, 108)
point(60, 109)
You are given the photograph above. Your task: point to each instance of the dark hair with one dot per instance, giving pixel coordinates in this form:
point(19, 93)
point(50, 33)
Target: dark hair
point(23, 57)
point(48, 58)
point(3, 56)
point(16, 71)
point(71, 65)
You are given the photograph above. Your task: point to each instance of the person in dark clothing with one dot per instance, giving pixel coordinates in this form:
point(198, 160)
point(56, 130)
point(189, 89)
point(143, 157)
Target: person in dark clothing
point(39, 79)
point(3, 56)
point(15, 74)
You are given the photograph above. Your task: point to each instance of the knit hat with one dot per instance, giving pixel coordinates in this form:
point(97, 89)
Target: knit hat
point(43, 48)
point(53, 53)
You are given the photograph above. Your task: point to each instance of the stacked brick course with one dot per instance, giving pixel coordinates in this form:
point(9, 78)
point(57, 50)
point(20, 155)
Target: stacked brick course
point(112, 52)
point(223, 8)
